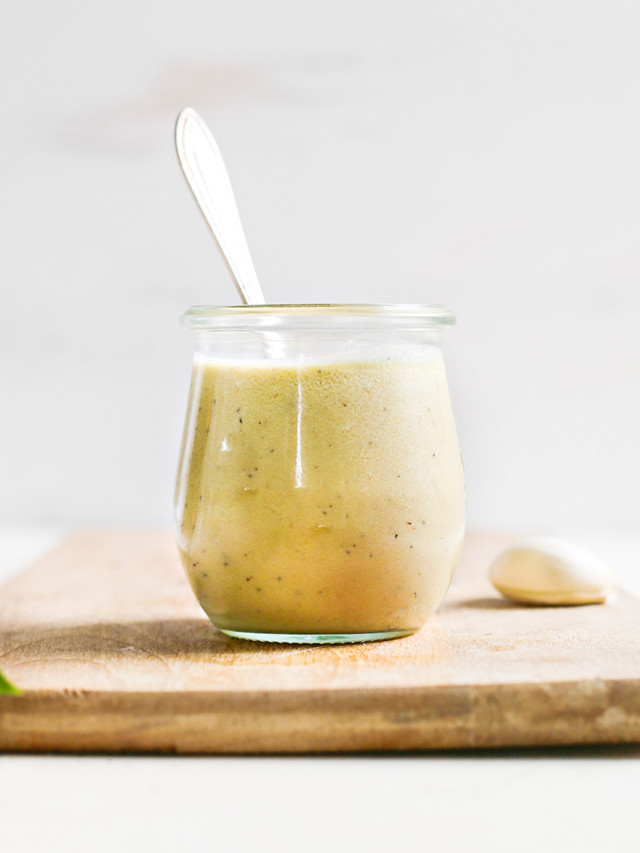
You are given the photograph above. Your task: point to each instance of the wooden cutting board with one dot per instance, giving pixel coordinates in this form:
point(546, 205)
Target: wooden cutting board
point(113, 654)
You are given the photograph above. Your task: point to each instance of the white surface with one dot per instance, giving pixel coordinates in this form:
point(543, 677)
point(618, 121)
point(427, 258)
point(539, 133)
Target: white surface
point(581, 800)
point(374, 805)
point(480, 155)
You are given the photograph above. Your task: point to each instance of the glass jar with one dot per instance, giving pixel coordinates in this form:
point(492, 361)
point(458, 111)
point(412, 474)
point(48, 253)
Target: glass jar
point(320, 490)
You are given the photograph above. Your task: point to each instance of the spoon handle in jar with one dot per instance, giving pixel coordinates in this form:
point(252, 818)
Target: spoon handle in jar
point(204, 169)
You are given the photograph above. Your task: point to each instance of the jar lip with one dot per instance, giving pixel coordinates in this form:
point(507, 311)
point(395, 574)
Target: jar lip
point(209, 316)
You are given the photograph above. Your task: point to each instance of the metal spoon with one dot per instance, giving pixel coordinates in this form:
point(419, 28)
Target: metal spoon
point(204, 169)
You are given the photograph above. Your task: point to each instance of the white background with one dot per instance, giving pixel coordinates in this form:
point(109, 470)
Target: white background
point(480, 155)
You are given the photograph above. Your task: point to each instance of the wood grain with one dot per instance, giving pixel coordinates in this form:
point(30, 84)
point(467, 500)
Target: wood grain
point(113, 654)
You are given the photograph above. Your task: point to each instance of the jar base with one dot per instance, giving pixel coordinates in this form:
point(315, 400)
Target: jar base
point(315, 639)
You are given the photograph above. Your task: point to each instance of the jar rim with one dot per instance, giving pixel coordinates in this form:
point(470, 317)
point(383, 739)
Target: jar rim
point(209, 316)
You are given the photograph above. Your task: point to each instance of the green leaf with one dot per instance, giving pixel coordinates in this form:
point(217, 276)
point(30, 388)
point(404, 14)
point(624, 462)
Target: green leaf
point(7, 688)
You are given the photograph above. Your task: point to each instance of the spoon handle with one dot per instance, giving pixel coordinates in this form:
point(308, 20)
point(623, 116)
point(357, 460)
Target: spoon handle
point(207, 177)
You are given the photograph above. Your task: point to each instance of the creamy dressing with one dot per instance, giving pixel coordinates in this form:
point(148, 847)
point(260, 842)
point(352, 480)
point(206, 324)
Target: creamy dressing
point(322, 497)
